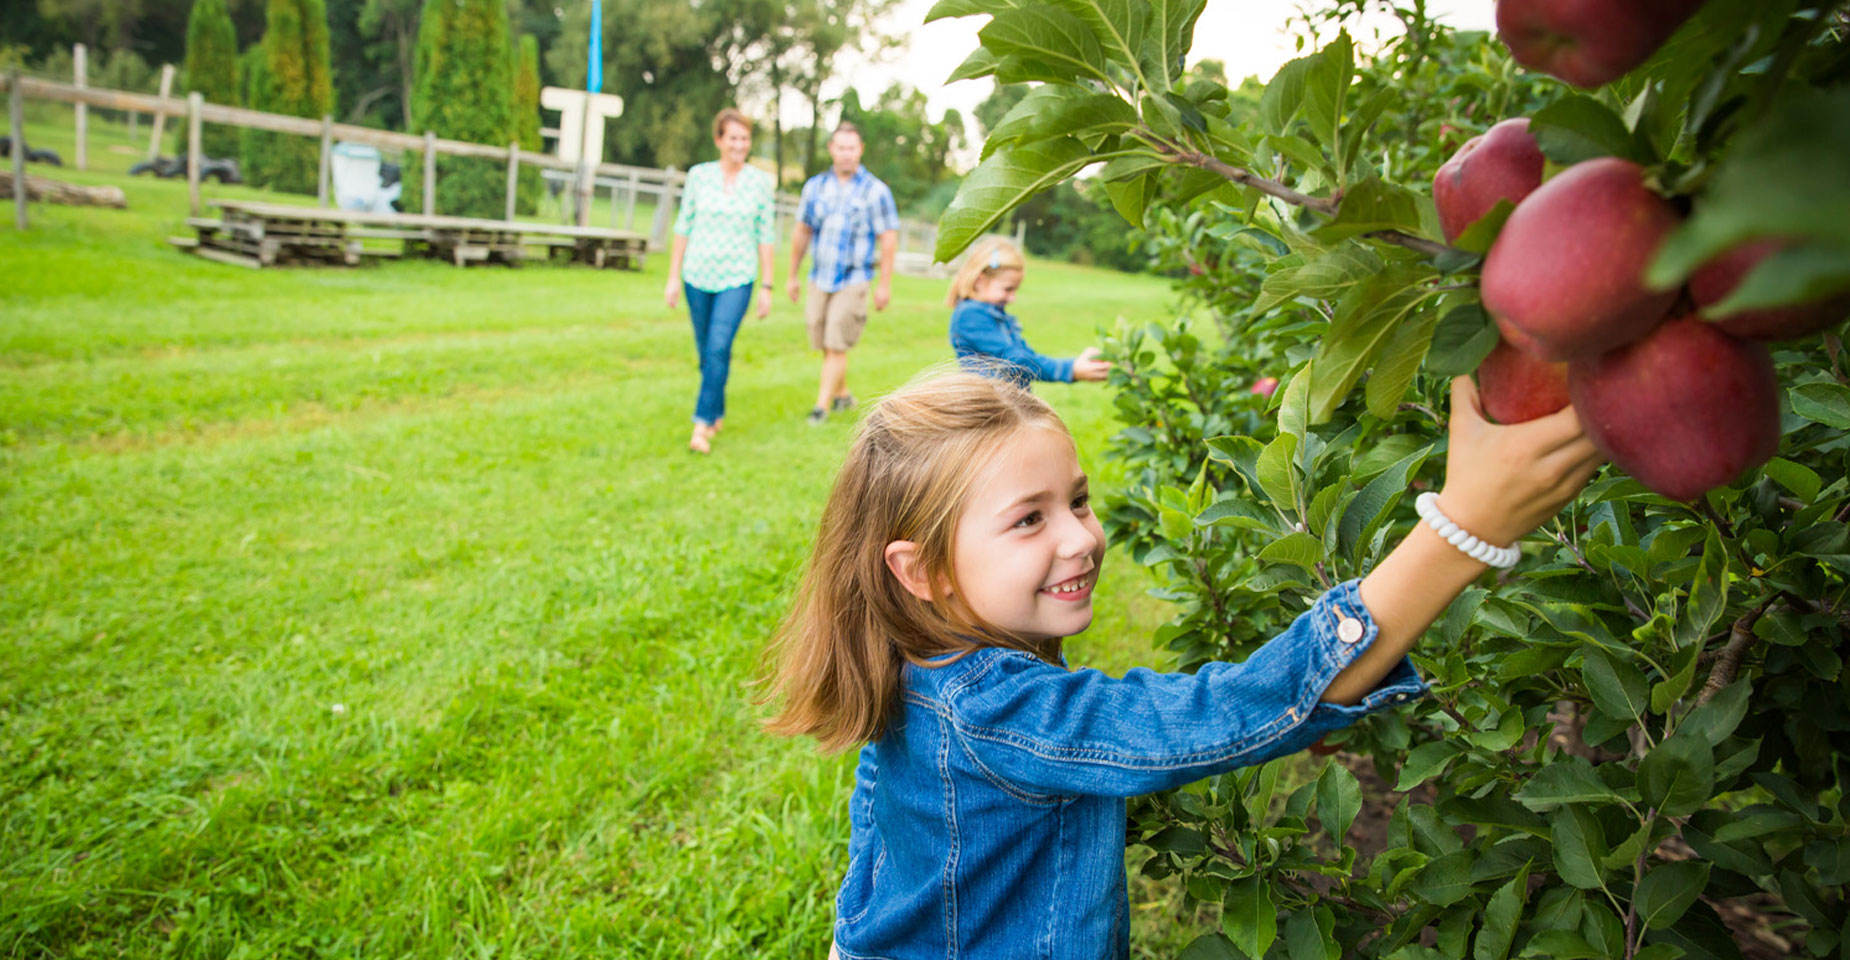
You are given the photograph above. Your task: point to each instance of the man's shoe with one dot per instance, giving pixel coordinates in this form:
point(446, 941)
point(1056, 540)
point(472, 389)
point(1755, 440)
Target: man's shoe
point(843, 402)
point(816, 417)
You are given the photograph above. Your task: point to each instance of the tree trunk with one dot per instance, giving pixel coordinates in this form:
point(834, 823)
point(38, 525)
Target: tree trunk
point(777, 119)
point(406, 37)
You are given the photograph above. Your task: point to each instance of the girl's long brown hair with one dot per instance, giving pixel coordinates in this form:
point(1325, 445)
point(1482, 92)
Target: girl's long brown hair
point(835, 661)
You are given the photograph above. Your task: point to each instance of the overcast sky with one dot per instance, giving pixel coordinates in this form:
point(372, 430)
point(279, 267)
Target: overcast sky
point(1248, 35)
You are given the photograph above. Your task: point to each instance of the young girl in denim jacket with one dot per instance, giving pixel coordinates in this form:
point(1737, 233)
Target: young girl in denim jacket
point(957, 549)
point(987, 338)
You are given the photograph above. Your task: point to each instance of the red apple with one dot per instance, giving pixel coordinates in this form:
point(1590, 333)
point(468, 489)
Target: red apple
point(1568, 268)
point(1521, 341)
point(1514, 387)
point(1265, 386)
point(1502, 163)
point(1588, 43)
point(1715, 280)
point(1684, 410)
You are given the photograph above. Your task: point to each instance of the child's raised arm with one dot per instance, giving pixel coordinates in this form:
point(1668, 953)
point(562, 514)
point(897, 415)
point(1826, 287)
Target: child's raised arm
point(1501, 482)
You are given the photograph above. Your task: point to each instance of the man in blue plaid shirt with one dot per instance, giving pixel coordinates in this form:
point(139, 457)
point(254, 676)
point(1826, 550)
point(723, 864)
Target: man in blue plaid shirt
point(850, 215)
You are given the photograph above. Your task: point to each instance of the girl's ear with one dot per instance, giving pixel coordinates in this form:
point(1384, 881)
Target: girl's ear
point(902, 558)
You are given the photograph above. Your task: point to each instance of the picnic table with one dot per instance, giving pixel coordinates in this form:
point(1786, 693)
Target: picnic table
point(256, 235)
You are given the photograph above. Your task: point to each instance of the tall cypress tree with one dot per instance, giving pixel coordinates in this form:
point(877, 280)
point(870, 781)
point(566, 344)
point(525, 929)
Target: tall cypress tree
point(294, 79)
point(527, 119)
point(212, 69)
point(464, 90)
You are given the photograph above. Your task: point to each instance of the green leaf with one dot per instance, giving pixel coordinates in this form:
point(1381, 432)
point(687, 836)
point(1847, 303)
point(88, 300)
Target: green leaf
point(1284, 94)
point(1131, 198)
point(1248, 915)
point(967, 8)
point(1239, 513)
point(1579, 846)
point(1826, 403)
point(1716, 720)
point(1677, 776)
point(1212, 946)
point(1426, 761)
point(1566, 781)
point(1461, 341)
point(1298, 150)
point(1054, 110)
point(1398, 363)
point(1578, 127)
point(1445, 881)
point(1299, 549)
point(1665, 693)
point(980, 63)
point(1561, 945)
point(1618, 688)
point(1170, 35)
point(1002, 182)
point(1339, 797)
point(1501, 915)
point(1118, 25)
point(1483, 231)
point(1371, 205)
point(1365, 318)
point(1310, 934)
point(1370, 508)
point(1783, 177)
point(1796, 274)
point(1294, 406)
point(1323, 277)
point(1277, 474)
point(1801, 480)
point(1326, 86)
point(1182, 841)
point(1046, 34)
point(1708, 594)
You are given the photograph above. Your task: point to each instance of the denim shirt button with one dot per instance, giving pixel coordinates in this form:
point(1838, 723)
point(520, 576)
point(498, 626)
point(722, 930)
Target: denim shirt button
point(1349, 630)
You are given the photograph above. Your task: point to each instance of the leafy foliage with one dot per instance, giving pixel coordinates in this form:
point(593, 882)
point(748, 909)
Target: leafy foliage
point(464, 91)
point(527, 120)
point(212, 69)
point(1646, 721)
point(291, 75)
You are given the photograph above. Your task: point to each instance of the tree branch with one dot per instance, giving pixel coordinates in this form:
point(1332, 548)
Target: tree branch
point(1729, 663)
point(1327, 206)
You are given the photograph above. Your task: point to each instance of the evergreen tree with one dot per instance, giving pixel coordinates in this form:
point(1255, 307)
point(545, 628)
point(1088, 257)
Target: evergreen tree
point(212, 69)
point(527, 120)
point(293, 78)
point(464, 90)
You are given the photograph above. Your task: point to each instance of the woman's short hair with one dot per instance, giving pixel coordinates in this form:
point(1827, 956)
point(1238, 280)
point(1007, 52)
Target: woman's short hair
point(729, 115)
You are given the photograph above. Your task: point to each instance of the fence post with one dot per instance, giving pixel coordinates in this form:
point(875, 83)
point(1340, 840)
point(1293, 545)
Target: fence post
point(430, 172)
point(1021, 236)
point(322, 184)
point(664, 199)
point(629, 220)
point(160, 116)
point(79, 80)
point(513, 176)
point(586, 167)
point(18, 111)
point(193, 102)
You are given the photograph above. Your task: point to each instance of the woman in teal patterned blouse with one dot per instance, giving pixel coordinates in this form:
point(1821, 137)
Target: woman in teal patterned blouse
point(723, 239)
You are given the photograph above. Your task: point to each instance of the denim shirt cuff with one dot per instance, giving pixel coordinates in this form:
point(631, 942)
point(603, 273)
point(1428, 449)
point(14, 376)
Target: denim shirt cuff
point(1401, 684)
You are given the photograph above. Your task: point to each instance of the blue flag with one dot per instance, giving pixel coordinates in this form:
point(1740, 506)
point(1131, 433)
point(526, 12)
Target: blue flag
point(594, 71)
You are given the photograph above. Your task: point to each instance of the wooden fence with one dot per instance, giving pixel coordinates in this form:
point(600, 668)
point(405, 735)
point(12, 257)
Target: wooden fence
point(917, 238)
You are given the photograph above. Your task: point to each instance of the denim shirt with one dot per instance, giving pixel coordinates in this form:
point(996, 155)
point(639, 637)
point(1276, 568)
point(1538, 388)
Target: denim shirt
point(988, 821)
point(983, 331)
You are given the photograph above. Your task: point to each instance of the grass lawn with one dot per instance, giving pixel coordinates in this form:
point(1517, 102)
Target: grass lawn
point(381, 612)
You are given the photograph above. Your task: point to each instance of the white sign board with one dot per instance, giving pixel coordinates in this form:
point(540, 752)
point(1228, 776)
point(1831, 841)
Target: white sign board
point(577, 125)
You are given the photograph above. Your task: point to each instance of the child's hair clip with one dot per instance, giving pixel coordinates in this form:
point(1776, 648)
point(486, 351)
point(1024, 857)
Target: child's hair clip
point(995, 257)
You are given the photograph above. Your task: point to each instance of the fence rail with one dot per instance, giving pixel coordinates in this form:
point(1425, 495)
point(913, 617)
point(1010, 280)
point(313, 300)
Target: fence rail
point(665, 185)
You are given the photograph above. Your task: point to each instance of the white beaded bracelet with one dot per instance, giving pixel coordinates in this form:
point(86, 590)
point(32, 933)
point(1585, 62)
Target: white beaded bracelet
point(1503, 558)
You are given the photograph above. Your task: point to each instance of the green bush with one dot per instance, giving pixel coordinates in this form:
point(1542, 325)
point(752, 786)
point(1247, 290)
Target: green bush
point(212, 69)
point(290, 76)
point(464, 90)
point(527, 120)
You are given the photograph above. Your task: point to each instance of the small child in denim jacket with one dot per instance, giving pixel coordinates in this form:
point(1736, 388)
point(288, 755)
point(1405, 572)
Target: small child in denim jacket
point(957, 548)
point(987, 338)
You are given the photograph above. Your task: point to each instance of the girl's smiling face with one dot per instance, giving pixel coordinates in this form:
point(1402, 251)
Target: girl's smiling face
point(997, 287)
point(1028, 546)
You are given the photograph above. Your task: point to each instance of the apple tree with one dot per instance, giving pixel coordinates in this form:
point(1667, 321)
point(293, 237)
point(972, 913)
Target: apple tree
point(1634, 737)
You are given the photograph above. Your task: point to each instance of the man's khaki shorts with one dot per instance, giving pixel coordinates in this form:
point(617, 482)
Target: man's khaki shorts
point(836, 319)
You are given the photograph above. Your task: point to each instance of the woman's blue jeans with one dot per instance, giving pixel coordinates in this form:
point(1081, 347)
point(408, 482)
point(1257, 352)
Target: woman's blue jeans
point(716, 321)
